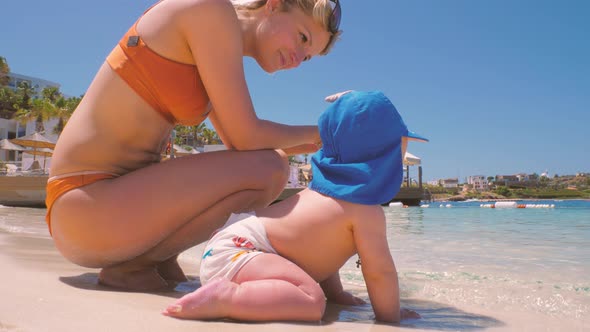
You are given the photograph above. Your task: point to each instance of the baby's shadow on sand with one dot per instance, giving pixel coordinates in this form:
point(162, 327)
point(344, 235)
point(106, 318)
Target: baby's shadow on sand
point(89, 281)
point(435, 316)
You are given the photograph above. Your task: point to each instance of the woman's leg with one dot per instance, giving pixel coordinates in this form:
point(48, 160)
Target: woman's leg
point(140, 273)
point(152, 214)
point(267, 288)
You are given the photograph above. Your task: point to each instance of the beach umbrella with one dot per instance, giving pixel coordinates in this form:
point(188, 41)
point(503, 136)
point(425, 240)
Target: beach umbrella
point(8, 145)
point(45, 152)
point(411, 160)
point(34, 140)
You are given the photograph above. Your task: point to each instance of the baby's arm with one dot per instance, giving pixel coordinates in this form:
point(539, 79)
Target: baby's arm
point(377, 264)
point(335, 293)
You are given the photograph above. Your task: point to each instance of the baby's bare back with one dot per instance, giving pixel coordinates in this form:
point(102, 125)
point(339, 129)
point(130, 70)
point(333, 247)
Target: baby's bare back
point(313, 231)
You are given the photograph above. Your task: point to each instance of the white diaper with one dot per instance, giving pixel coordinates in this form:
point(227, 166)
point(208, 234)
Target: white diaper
point(242, 238)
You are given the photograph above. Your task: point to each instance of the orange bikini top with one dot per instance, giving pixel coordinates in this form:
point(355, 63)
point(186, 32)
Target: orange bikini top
point(172, 88)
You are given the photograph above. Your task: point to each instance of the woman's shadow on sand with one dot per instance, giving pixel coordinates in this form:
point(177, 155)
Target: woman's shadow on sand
point(435, 316)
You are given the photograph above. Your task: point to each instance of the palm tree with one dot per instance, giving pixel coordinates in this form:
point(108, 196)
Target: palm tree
point(4, 70)
point(8, 100)
point(39, 110)
point(25, 93)
point(52, 93)
point(198, 132)
point(210, 136)
point(187, 135)
point(65, 107)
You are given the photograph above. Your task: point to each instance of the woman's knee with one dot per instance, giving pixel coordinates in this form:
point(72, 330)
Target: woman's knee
point(273, 169)
point(281, 168)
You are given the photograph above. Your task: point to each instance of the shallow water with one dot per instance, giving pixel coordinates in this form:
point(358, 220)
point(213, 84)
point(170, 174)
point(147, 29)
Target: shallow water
point(455, 262)
point(533, 260)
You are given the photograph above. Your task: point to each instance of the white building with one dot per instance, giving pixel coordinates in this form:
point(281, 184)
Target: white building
point(479, 182)
point(38, 84)
point(449, 183)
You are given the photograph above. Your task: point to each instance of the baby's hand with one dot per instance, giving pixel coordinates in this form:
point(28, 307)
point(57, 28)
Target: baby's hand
point(408, 314)
point(345, 298)
point(332, 98)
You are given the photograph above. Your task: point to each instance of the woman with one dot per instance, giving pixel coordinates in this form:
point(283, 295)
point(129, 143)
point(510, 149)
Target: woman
point(111, 203)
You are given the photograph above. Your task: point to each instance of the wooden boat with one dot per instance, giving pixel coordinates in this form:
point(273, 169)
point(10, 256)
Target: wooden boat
point(23, 190)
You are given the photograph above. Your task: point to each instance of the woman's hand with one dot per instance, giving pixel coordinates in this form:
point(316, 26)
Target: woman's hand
point(301, 149)
point(332, 98)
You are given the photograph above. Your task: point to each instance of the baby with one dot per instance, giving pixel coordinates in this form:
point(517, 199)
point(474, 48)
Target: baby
point(282, 262)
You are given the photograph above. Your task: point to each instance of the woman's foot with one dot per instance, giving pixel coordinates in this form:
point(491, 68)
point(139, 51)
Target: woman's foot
point(170, 270)
point(208, 302)
point(141, 280)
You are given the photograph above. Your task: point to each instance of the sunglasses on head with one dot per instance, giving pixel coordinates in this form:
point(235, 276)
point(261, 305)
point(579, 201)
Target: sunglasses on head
point(335, 16)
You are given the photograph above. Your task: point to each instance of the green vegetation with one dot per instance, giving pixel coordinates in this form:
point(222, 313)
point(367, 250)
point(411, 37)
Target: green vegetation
point(549, 193)
point(24, 105)
point(198, 135)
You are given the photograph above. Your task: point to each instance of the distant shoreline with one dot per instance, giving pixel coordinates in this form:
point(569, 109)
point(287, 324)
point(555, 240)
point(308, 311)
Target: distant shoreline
point(449, 199)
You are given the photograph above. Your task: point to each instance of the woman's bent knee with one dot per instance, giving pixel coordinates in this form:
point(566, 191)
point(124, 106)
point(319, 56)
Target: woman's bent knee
point(274, 163)
point(273, 172)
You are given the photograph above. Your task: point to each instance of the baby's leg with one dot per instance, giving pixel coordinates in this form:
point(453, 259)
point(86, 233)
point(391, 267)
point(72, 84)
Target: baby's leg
point(268, 288)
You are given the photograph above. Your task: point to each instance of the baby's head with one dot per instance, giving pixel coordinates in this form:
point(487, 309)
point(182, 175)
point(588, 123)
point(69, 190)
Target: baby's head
point(361, 160)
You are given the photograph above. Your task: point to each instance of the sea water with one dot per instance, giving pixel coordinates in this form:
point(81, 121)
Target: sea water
point(456, 260)
point(531, 260)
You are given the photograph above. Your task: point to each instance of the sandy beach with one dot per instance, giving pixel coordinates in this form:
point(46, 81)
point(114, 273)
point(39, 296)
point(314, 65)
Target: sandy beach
point(41, 291)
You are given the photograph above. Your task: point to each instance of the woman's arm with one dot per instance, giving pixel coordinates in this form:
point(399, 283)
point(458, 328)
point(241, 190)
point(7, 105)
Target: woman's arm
point(214, 36)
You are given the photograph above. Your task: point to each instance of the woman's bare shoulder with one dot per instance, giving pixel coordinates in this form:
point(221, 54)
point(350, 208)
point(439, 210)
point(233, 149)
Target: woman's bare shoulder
point(210, 18)
point(204, 8)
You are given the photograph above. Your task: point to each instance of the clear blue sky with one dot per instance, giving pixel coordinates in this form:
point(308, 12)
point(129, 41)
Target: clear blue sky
point(499, 87)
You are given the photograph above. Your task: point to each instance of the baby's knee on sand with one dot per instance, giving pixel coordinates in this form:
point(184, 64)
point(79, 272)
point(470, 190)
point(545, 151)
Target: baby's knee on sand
point(317, 306)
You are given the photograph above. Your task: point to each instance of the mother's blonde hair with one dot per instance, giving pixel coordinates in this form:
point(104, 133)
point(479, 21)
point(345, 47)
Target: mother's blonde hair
point(320, 10)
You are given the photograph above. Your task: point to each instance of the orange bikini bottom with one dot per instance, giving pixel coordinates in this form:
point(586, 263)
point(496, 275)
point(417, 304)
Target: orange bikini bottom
point(58, 186)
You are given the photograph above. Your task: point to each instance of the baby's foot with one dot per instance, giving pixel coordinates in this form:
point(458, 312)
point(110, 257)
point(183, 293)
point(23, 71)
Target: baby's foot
point(137, 280)
point(208, 302)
